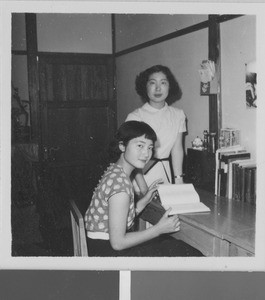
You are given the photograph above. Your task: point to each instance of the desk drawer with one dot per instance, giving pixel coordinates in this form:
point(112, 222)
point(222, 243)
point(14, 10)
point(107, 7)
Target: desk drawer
point(234, 250)
point(199, 239)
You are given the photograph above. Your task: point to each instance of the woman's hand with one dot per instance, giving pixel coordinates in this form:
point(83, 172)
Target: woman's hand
point(152, 188)
point(168, 223)
point(141, 204)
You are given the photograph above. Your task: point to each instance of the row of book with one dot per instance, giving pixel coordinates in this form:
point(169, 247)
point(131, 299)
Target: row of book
point(235, 176)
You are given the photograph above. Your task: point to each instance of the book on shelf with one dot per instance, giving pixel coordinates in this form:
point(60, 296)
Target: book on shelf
point(182, 198)
point(232, 149)
point(250, 193)
point(247, 162)
point(244, 181)
point(223, 158)
point(242, 175)
point(247, 177)
point(226, 158)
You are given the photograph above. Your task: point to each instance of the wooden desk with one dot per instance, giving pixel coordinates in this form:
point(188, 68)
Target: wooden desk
point(228, 230)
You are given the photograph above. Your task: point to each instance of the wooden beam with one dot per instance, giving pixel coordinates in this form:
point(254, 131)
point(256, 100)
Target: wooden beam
point(175, 34)
point(164, 38)
point(113, 122)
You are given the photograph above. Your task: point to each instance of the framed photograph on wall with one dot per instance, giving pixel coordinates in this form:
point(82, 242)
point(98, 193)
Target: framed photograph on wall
point(251, 85)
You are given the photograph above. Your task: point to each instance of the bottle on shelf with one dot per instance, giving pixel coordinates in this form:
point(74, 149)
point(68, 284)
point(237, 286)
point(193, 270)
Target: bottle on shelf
point(212, 142)
point(221, 142)
point(205, 139)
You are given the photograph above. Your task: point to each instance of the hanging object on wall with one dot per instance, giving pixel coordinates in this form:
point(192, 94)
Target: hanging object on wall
point(251, 83)
point(208, 78)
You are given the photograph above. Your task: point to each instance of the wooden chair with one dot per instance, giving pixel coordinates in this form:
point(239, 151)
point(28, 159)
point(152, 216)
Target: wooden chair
point(78, 230)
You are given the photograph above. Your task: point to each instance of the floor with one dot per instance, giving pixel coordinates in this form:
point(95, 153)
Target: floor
point(49, 235)
point(26, 236)
point(27, 239)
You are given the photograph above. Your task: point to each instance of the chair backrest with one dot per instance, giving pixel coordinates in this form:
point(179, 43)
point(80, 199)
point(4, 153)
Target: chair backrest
point(78, 229)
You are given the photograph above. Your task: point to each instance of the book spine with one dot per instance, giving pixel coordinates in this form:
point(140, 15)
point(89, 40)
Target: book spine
point(218, 171)
point(253, 186)
point(233, 181)
point(242, 183)
point(223, 179)
point(237, 183)
point(223, 169)
point(248, 185)
point(245, 185)
point(228, 181)
point(226, 156)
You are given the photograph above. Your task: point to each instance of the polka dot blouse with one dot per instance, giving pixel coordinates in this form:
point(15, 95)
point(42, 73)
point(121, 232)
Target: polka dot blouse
point(113, 181)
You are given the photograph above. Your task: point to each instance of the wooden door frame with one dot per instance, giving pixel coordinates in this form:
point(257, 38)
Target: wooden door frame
point(33, 77)
point(214, 49)
point(34, 83)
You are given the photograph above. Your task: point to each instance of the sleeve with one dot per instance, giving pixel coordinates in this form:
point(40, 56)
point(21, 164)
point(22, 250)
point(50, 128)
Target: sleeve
point(119, 185)
point(182, 122)
point(133, 116)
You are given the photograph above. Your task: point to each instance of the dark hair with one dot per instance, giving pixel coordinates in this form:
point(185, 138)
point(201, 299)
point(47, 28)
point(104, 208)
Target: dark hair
point(141, 80)
point(128, 131)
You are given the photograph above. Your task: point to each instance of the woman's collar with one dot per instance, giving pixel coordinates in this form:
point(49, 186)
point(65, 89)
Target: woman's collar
point(150, 108)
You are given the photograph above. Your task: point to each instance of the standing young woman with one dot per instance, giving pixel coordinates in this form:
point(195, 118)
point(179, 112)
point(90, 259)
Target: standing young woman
point(158, 87)
point(111, 214)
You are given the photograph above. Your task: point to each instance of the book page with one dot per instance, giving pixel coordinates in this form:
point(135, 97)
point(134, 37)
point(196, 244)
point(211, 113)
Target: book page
point(183, 208)
point(177, 193)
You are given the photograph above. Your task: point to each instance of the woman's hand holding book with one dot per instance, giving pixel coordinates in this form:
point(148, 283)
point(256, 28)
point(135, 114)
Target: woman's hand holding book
point(168, 223)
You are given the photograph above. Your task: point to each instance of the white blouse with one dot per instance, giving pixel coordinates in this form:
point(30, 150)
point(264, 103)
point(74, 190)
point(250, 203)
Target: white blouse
point(166, 122)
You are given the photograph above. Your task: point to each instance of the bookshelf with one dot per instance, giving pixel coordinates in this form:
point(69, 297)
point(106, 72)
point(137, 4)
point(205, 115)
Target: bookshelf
point(235, 176)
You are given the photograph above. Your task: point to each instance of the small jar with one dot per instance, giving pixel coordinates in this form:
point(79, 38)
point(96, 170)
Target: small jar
point(221, 142)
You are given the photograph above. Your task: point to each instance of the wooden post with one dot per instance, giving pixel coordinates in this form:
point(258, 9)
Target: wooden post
point(215, 113)
point(33, 78)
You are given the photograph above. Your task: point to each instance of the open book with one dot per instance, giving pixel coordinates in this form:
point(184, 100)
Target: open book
point(182, 198)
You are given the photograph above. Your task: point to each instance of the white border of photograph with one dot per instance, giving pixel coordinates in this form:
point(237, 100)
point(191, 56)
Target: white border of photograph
point(256, 263)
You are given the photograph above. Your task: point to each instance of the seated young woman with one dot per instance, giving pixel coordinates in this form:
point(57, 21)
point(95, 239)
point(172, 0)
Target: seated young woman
point(110, 216)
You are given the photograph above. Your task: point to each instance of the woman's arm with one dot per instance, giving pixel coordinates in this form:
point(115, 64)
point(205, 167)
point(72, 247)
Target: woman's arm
point(139, 178)
point(177, 154)
point(141, 204)
point(118, 212)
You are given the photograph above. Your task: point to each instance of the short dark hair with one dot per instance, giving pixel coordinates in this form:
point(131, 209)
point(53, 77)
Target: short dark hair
point(128, 131)
point(141, 80)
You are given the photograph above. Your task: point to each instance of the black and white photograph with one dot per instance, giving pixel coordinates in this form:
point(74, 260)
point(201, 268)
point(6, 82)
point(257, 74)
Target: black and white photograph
point(132, 150)
point(114, 152)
